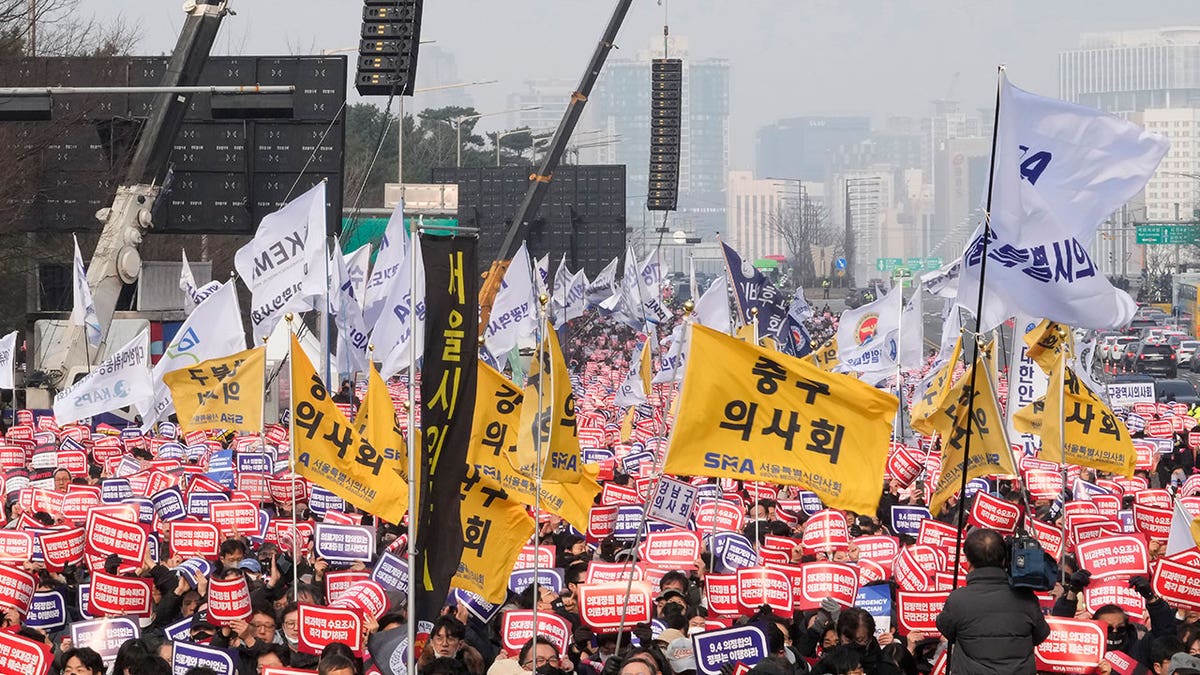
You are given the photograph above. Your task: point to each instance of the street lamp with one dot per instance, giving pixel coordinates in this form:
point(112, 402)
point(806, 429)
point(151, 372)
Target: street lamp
point(400, 129)
point(457, 123)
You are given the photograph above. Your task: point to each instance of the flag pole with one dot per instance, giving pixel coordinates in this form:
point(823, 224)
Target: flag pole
point(987, 224)
point(413, 451)
point(262, 419)
point(544, 372)
point(292, 462)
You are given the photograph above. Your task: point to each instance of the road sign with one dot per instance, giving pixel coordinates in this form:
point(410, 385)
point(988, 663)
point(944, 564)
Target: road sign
point(933, 264)
point(887, 264)
point(839, 264)
point(902, 273)
point(913, 264)
point(1168, 233)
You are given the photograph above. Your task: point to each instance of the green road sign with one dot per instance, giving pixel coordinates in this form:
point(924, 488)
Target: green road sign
point(1168, 233)
point(902, 273)
point(933, 264)
point(913, 264)
point(887, 264)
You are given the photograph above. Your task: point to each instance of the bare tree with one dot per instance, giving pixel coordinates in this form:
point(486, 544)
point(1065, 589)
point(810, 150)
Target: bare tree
point(803, 226)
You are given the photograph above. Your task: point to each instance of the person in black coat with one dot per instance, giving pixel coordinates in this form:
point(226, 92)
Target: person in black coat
point(991, 627)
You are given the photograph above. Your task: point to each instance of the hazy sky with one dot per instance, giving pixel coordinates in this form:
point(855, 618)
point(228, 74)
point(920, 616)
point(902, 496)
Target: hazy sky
point(789, 57)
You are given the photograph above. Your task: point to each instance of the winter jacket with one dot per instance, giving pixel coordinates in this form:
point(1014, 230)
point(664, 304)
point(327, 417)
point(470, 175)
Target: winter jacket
point(992, 627)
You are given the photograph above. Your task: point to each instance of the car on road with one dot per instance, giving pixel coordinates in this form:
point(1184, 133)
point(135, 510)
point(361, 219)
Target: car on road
point(1178, 391)
point(1185, 351)
point(1114, 355)
point(1154, 359)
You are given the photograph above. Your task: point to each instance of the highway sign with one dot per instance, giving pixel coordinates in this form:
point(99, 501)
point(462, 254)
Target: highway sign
point(839, 264)
point(913, 264)
point(933, 264)
point(1168, 233)
point(887, 264)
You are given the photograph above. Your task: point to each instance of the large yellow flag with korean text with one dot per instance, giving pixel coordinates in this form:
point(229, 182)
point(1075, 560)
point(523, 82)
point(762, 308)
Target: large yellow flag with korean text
point(751, 413)
point(825, 357)
point(935, 394)
point(495, 528)
point(376, 423)
point(555, 422)
point(332, 454)
point(972, 416)
point(224, 393)
point(1076, 426)
point(498, 407)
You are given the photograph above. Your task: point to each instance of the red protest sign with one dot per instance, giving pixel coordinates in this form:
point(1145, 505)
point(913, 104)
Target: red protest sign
point(321, 626)
point(722, 593)
point(676, 548)
point(62, 548)
point(1152, 521)
point(237, 517)
point(15, 546)
point(366, 596)
point(525, 559)
point(516, 628)
point(617, 495)
point(1158, 498)
point(1114, 592)
point(112, 595)
point(601, 605)
point(1122, 663)
point(195, 540)
point(910, 575)
point(937, 534)
point(21, 656)
point(1074, 646)
point(74, 461)
point(107, 536)
point(601, 521)
point(820, 580)
point(602, 572)
point(1159, 429)
point(758, 586)
point(1092, 528)
point(879, 548)
point(720, 515)
point(995, 513)
point(826, 531)
point(79, 499)
point(918, 611)
point(1113, 556)
point(228, 601)
point(870, 572)
point(1043, 484)
point(1107, 505)
point(903, 466)
point(16, 588)
point(1177, 583)
point(339, 583)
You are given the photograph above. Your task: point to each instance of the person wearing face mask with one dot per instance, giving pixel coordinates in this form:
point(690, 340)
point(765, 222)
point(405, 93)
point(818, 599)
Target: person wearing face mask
point(448, 639)
point(1121, 634)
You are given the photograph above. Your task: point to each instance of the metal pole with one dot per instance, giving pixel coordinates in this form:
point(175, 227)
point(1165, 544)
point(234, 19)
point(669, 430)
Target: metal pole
point(292, 467)
point(400, 149)
point(458, 142)
point(413, 451)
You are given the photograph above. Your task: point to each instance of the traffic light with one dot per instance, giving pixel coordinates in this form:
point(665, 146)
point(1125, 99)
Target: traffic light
point(666, 112)
point(387, 53)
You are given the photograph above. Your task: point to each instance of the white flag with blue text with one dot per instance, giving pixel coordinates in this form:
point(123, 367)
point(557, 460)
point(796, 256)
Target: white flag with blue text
point(84, 311)
point(347, 316)
point(397, 327)
point(358, 263)
point(388, 261)
point(514, 313)
point(121, 380)
point(192, 296)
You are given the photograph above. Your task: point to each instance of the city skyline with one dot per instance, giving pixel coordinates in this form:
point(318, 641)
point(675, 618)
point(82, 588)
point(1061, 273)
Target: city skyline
point(903, 55)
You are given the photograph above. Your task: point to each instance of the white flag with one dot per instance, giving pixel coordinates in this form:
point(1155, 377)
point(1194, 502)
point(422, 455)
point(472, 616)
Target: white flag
point(212, 330)
point(1027, 382)
point(912, 332)
point(712, 310)
point(625, 304)
point(1080, 163)
point(670, 364)
point(8, 360)
point(650, 276)
point(284, 265)
point(866, 336)
point(567, 300)
point(192, 296)
point(392, 332)
point(388, 261)
point(347, 316)
point(514, 312)
point(604, 286)
point(357, 263)
point(120, 380)
point(542, 274)
point(1180, 537)
point(1059, 170)
point(84, 311)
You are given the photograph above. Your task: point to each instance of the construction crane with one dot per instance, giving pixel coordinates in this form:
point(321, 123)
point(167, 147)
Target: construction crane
point(539, 183)
point(116, 260)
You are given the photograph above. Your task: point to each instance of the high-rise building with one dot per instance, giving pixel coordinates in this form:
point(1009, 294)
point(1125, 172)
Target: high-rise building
point(1129, 71)
point(438, 67)
point(960, 175)
point(620, 106)
point(803, 147)
point(752, 211)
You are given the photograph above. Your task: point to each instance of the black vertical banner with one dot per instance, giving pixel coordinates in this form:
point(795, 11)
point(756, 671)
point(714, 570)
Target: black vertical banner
point(447, 408)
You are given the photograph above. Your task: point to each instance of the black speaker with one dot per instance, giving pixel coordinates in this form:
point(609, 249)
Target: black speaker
point(387, 53)
point(666, 113)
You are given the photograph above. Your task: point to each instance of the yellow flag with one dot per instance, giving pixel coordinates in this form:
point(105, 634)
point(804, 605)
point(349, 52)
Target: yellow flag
point(1078, 428)
point(495, 528)
point(935, 395)
point(825, 357)
point(1043, 342)
point(330, 453)
point(627, 423)
point(1028, 420)
point(555, 422)
point(753, 414)
point(224, 393)
point(376, 423)
point(645, 370)
point(498, 411)
point(990, 452)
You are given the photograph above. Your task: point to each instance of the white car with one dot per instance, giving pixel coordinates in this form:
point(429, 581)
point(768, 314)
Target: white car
point(1187, 351)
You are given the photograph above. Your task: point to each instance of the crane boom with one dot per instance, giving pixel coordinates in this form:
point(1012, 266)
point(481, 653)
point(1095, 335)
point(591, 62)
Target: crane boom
point(539, 183)
point(116, 260)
